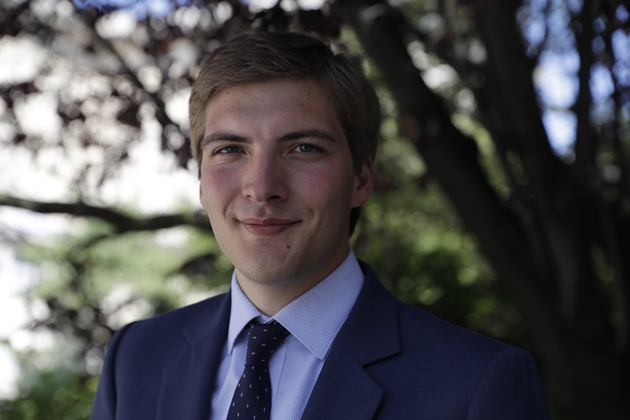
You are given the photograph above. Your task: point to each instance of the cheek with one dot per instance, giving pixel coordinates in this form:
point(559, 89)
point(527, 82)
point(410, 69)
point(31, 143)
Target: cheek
point(328, 189)
point(217, 187)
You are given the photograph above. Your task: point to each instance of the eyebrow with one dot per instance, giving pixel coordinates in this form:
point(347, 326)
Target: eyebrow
point(309, 132)
point(293, 135)
point(215, 137)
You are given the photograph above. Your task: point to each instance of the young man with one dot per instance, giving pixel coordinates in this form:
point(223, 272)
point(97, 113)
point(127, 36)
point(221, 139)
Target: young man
point(285, 133)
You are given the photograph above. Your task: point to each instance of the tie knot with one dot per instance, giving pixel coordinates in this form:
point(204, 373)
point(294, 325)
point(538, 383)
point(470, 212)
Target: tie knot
point(262, 341)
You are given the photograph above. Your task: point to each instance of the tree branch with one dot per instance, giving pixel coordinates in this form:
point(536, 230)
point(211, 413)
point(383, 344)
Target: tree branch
point(585, 144)
point(509, 75)
point(557, 196)
point(162, 116)
point(450, 156)
point(121, 222)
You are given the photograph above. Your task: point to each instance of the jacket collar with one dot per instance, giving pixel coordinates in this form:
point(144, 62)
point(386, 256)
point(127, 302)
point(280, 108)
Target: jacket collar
point(344, 388)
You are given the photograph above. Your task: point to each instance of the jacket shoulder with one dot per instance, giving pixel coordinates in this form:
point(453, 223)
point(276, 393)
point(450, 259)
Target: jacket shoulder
point(141, 353)
point(170, 331)
point(465, 371)
point(423, 330)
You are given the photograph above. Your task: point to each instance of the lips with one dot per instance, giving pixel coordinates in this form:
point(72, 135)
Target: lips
point(267, 227)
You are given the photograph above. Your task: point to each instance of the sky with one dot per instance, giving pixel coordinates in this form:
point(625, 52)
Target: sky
point(161, 185)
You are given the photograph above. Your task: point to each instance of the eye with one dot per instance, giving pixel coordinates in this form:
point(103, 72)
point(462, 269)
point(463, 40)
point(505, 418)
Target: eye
point(305, 148)
point(228, 150)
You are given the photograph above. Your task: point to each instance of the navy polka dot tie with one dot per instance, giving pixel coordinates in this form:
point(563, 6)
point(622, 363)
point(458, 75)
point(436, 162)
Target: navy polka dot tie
point(252, 397)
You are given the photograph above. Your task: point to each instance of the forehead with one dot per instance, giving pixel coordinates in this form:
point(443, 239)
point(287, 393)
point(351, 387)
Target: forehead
point(280, 88)
point(283, 104)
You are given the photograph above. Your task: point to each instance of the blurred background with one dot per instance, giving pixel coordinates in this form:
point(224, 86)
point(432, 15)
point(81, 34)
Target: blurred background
point(502, 199)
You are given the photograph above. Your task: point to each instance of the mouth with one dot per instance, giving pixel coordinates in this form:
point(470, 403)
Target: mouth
point(267, 227)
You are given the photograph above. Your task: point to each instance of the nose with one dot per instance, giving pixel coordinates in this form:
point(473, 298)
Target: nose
point(265, 180)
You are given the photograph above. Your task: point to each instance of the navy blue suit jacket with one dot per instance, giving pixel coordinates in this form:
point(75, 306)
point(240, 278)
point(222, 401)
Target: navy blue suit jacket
point(389, 361)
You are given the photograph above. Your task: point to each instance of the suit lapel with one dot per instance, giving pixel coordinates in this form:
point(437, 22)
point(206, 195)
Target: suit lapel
point(344, 389)
point(188, 383)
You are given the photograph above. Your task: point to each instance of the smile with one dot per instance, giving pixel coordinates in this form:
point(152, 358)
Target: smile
point(267, 227)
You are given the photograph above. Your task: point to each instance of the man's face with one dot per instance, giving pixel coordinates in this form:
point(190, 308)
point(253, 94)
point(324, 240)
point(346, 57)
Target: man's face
point(278, 183)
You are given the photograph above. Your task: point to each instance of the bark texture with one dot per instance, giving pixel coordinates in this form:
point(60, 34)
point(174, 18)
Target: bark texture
point(541, 239)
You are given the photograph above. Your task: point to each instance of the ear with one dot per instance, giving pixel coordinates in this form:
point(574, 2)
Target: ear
point(363, 184)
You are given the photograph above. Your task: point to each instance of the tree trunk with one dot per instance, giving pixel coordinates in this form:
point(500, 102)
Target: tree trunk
point(540, 240)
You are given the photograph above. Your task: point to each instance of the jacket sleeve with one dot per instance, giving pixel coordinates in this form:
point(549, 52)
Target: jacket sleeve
point(509, 389)
point(104, 407)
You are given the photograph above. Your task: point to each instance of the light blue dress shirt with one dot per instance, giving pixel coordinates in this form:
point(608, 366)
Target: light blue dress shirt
point(313, 319)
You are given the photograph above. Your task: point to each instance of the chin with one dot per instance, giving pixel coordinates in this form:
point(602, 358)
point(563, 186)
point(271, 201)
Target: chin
point(271, 272)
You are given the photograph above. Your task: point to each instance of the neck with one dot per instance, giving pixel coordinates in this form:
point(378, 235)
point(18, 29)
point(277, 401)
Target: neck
point(270, 298)
point(265, 299)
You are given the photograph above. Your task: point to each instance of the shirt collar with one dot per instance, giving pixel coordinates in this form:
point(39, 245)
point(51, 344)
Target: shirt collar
point(315, 317)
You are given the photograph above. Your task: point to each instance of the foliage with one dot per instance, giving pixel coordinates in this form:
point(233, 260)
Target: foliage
point(90, 286)
point(58, 394)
